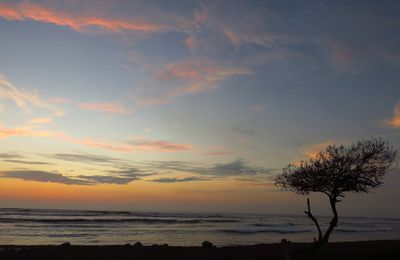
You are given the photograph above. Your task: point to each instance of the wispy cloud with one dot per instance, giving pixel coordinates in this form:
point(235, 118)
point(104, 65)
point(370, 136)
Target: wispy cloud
point(395, 120)
point(26, 162)
point(258, 108)
point(175, 180)
point(55, 177)
point(32, 11)
point(132, 145)
point(158, 145)
point(219, 153)
point(189, 76)
point(43, 176)
point(25, 131)
point(312, 150)
point(236, 168)
point(108, 108)
point(59, 100)
point(11, 156)
point(243, 131)
point(254, 182)
point(26, 100)
point(105, 179)
point(200, 75)
point(85, 158)
point(40, 120)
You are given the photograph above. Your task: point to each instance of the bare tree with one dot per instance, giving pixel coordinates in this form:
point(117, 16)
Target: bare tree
point(339, 170)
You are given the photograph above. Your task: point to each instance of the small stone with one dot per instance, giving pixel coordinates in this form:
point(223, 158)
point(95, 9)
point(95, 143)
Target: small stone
point(207, 244)
point(138, 244)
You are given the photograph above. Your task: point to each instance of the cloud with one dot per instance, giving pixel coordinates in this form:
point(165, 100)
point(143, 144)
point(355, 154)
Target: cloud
point(43, 176)
point(187, 76)
point(55, 177)
point(312, 150)
point(24, 99)
point(40, 120)
point(199, 75)
point(218, 153)
point(36, 12)
point(104, 179)
point(10, 156)
point(26, 131)
point(175, 180)
point(253, 182)
point(26, 162)
point(59, 100)
point(395, 121)
point(109, 108)
point(236, 168)
point(243, 131)
point(85, 158)
point(258, 108)
point(158, 145)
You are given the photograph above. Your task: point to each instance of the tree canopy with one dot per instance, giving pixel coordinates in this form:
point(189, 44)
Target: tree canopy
point(338, 170)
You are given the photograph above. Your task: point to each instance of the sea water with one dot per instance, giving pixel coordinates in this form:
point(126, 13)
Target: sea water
point(81, 227)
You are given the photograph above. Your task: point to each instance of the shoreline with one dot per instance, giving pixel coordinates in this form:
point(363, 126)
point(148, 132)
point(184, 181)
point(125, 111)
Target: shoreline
point(379, 249)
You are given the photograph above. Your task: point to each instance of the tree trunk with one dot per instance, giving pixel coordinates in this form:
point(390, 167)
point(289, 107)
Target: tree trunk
point(333, 222)
point(322, 240)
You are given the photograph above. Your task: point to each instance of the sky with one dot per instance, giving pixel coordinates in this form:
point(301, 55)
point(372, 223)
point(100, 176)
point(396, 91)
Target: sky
point(191, 105)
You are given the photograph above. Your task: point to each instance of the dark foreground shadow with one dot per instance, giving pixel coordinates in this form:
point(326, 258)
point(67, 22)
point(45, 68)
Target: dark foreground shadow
point(346, 250)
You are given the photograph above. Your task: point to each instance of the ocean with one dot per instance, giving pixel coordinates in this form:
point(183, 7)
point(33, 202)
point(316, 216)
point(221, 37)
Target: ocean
point(81, 227)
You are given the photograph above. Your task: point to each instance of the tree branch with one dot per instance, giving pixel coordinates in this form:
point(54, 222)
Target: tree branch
point(311, 216)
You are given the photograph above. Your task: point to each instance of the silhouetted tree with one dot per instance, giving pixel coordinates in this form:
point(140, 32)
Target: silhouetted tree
point(338, 170)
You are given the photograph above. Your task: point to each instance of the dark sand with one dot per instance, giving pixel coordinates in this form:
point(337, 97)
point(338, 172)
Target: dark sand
point(389, 249)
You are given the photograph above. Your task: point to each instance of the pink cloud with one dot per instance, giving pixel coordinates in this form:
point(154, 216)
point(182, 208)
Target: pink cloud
point(109, 108)
point(132, 145)
point(186, 69)
point(219, 153)
point(31, 11)
point(59, 100)
point(198, 75)
point(159, 145)
point(258, 108)
point(190, 42)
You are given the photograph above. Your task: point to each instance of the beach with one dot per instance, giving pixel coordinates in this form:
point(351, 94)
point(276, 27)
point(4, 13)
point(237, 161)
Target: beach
point(383, 249)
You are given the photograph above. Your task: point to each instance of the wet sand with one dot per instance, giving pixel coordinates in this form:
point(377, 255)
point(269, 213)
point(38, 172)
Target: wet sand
point(384, 249)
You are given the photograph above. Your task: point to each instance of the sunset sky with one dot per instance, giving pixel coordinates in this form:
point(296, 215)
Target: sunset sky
point(191, 105)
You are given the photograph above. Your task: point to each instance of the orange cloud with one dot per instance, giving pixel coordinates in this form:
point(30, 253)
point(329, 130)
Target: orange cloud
point(31, 11)
point(312, 150)
point(110, 108)
point(25, 131)
point(40, 120)
point(395, 121)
